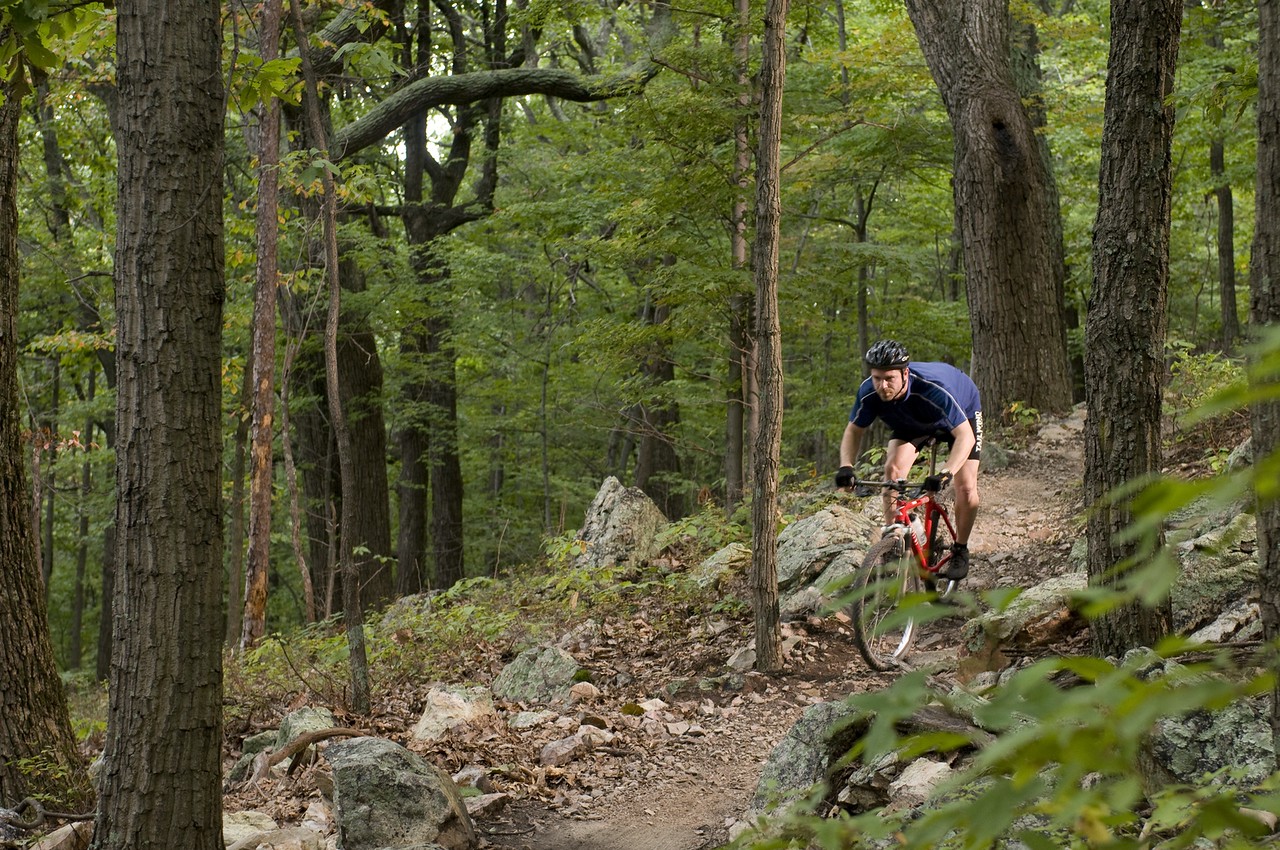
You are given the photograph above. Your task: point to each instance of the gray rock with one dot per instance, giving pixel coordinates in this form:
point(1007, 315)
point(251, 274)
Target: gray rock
point(539, 674)
point(722, 565)
point(253, 745)
point(1035, 616)
point(1219, 571)
point(448, 707)
point(387, 797)
point(236, 826)
point(805, 754)
point(809, 545)
point(291, 838)
point(304, 720)
point(621, 527)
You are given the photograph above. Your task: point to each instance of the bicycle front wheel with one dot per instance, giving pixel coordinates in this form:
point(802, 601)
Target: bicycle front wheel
point(883, 633)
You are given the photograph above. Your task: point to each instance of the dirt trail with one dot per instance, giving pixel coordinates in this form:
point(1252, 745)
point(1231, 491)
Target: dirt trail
point(688, 797)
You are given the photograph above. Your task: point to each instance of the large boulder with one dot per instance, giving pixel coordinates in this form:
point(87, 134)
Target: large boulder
point(809, 545)
point(386, 797)
point(1219, 559)
point(1038, 616)
point(539, 674)
point(621, 527)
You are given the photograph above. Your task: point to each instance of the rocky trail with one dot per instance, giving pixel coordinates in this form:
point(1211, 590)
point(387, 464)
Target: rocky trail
point(686, 792)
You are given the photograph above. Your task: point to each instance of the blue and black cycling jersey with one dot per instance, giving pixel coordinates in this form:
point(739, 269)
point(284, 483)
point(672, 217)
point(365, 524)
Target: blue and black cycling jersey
point(938, 398)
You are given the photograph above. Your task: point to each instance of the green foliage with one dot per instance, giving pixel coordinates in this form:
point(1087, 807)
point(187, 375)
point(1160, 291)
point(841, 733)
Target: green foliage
point(704, 532)
point(1195, 380)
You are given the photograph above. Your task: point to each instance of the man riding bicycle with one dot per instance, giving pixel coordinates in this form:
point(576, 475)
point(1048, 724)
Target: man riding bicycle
point(920, 402)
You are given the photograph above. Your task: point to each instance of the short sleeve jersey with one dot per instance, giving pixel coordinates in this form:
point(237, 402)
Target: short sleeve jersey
point(938, 398)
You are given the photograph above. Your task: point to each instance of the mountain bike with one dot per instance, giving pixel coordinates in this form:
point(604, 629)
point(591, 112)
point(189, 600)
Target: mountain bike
point(902, 564)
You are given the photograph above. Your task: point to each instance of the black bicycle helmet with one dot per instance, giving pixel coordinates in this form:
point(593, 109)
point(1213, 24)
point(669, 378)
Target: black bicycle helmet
point(887, 354)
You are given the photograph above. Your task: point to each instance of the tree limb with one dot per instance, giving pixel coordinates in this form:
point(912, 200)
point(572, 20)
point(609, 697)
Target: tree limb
point(267, 759)
point(461, 89)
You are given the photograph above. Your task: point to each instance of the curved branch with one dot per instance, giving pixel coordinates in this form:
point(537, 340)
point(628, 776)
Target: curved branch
point(459, 89)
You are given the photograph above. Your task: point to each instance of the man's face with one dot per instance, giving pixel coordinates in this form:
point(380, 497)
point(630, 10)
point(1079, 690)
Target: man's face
point(889, 384)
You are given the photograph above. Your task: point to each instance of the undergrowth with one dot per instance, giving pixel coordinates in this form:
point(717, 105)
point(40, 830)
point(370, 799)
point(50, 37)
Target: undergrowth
point(459, 634)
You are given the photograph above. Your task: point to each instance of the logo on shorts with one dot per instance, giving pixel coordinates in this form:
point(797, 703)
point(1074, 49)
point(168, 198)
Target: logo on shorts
point(977, 430)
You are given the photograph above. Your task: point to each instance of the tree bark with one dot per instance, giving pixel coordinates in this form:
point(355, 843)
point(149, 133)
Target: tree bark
point(764, 507)
point(1127, 320)
point(35, 728)
point(1005, 206)
point(161, 782)
point(1264, 283)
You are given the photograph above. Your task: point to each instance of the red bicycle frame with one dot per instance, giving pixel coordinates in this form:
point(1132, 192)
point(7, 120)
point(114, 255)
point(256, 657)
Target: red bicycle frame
point(920, 535)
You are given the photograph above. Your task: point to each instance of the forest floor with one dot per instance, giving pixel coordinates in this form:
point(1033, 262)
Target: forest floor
point(686, 794)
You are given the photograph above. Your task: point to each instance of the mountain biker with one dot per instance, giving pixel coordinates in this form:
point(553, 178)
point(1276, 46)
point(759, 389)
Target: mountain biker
point(919, 402)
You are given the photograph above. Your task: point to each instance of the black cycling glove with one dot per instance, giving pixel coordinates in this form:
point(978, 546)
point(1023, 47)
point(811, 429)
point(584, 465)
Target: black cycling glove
point(935, 483)
point(844, 476)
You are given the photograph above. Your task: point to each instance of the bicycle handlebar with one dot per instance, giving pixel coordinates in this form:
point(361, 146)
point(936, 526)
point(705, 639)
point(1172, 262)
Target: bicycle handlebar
point(909, 488)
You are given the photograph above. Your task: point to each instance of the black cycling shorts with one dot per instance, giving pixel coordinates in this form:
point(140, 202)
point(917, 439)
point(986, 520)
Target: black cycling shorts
point(922, 442)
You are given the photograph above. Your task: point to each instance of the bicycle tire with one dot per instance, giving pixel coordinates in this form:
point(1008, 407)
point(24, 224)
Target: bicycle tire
point(888, 573)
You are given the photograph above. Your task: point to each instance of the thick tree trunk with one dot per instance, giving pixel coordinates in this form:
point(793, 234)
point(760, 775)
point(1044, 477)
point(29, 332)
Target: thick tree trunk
point(1264, 282)
point(414, 440)
point(1125, 330)
point(360, 379)
point(161, 781)
point(764, 506)
point(446, 466)
point(1005, 206)
point(34, 724)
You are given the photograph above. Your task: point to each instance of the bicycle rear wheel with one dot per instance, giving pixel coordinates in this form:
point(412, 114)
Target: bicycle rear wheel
point(883, 634)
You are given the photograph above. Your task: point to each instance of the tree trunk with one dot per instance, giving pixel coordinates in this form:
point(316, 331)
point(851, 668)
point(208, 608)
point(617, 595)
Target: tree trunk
point(1005, 206)
point(739, 303)
point(1125, 330)
point(263, 359)
point(291, 485)
point(657, 463)
point(1264, 283)
point(360, 382)
point(161, 781)
point(446, 467)
point(764, 507)
point(75, 656)
point(34, 723)
point(1226, 246)
point(236, 534)
point(51, 491)
point(352, 611)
